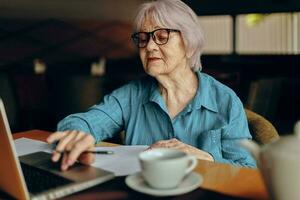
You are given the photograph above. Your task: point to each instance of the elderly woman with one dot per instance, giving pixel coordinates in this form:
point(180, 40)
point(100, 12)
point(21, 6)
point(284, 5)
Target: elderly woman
point(176, 106)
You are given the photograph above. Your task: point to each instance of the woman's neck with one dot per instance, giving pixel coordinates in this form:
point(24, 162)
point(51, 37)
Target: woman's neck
point(180, 82)
point(177, 89)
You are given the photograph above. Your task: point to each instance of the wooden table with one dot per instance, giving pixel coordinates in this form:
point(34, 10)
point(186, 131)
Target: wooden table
point(222, 178)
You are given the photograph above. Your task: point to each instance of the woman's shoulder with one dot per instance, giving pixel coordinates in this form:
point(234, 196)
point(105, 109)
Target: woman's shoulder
point(223, 96)
point(226, 100)
point(216, 86)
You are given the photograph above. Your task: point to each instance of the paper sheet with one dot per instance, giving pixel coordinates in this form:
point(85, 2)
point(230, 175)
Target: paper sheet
point(26, 146)
point(123, 162)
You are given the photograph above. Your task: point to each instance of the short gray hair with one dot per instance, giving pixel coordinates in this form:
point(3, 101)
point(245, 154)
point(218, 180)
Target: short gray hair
point(175, 14)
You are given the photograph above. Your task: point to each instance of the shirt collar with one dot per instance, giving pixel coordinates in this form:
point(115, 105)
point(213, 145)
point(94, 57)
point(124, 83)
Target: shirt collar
point(155, 96)
point(205, 96)
point(154, 93)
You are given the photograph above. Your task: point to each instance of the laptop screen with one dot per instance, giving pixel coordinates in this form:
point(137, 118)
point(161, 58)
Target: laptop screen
point(12, 180)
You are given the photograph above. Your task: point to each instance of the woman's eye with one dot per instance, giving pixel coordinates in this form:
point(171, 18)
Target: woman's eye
point(162, 35)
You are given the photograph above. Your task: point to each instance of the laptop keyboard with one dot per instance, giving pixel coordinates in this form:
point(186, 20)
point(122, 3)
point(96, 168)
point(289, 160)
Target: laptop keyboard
point(38, 180)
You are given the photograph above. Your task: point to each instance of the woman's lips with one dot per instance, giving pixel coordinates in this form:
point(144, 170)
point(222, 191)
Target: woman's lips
point(153, 59)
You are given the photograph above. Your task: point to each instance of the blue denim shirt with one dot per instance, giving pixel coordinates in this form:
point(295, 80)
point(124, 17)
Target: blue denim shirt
point(213, 121)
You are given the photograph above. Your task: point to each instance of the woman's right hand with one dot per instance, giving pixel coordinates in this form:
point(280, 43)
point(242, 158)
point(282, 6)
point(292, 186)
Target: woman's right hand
point(71, 146)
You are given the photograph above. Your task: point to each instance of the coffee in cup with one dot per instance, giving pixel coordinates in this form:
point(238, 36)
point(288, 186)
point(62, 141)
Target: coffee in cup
point(164, 168)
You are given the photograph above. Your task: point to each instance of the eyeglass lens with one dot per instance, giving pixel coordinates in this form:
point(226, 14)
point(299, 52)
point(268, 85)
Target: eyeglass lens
point(159, 36)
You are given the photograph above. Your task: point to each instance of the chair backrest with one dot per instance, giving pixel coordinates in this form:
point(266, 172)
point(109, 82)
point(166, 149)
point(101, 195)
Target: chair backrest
point(261, 129)
point(264, 95)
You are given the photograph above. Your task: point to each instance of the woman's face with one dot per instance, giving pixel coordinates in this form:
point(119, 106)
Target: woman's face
point(162, 59)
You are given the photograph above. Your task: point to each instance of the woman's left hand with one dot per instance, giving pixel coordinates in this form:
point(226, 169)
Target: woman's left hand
point(176, 144)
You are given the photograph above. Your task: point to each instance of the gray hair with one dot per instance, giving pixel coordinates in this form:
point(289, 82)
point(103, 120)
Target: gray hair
point(175, 14)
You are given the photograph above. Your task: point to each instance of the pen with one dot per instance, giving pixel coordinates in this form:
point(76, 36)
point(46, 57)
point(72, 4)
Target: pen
point(93, 152)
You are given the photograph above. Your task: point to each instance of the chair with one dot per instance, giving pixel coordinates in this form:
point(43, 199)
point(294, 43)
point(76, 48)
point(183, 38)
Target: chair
point(261, 129)
point(264, 95)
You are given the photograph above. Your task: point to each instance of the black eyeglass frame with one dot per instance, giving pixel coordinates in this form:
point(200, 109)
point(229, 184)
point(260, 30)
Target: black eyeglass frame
point(135, 37)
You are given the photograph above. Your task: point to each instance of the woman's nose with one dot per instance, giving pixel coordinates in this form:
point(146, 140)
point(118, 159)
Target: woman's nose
point(151, 44)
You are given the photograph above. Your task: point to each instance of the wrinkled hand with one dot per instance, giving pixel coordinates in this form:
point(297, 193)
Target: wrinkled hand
point(176, 144)
point(73, 144)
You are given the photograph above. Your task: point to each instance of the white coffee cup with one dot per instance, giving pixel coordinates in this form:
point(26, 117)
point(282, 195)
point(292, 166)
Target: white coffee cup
point(164, 168)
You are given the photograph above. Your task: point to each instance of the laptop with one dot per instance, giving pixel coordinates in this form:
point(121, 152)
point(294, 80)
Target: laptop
point(35, 176)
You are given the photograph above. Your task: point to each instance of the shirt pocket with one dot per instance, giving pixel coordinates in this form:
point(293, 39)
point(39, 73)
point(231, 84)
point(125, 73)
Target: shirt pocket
point(210, 141)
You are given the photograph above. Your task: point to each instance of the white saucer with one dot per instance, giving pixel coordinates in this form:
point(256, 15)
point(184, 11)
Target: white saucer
point(137, 183)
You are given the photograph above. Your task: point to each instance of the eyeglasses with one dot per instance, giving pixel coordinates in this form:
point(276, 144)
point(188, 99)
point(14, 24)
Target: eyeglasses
point(159, 36)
